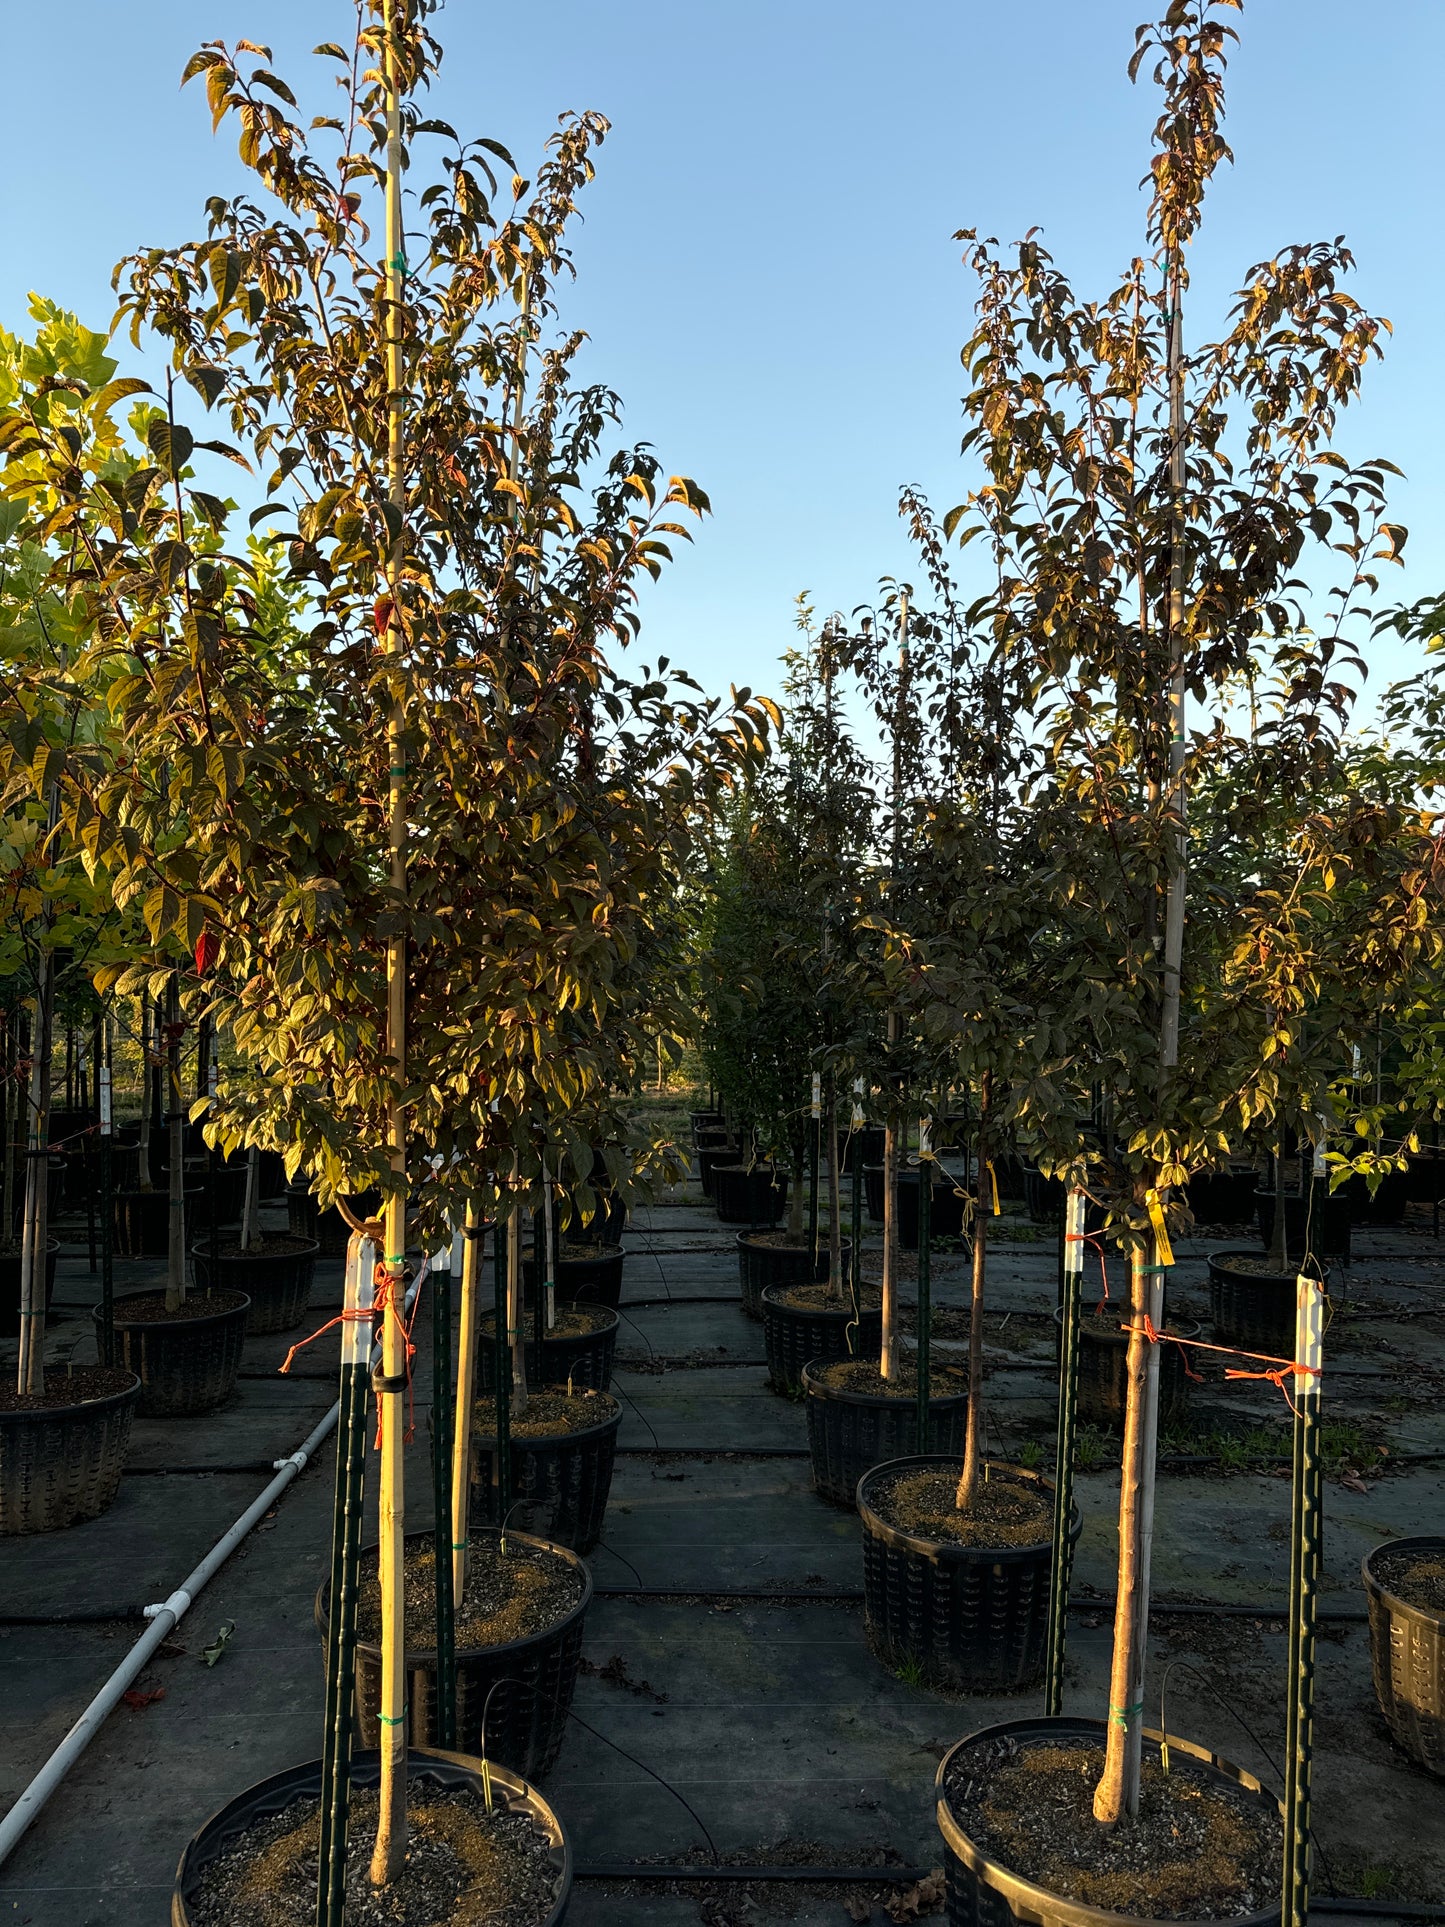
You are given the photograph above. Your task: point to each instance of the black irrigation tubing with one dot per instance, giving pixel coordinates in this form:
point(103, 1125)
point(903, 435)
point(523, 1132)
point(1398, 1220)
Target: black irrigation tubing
point(251, 1466)
point(714, 1451)
point(854, 1595)
point(651, 1304)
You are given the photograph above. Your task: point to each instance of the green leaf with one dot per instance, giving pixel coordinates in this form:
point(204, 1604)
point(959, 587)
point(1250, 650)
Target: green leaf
point(171, 444)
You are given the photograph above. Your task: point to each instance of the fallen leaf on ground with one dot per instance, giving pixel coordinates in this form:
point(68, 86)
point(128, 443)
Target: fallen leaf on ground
point(858, 1909)
point(135, 1699)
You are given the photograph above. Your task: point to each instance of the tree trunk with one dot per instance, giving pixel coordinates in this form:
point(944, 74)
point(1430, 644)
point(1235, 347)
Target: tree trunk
point(516, 1322)
point(176, 1119)
point(888, 1360)
point(250, 1208)
point(36, 1236)
point(797, 1202)
point(147, 1093)
point(10, 1099)
point(982, 1205)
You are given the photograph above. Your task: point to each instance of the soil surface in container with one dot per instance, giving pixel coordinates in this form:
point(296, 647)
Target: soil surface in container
point(1416, 1577)
point(464, 1868)
point(150, 1308)
point(1200, 1849)
point(570, 1321)
point(276, 1244)
point(549, 1414)
point(506, 1598)
point(780, 1241)
point(863, 1375)
point(815, 1297)
point(1005, 1512)
point(1255, 1267)
point(66, 1388)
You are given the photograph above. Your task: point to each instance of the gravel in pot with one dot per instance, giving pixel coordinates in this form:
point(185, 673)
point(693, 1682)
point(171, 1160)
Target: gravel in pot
point(469, 1864)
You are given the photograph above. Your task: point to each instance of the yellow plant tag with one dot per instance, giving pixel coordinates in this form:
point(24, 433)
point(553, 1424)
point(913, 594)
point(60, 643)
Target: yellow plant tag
point(1161, 1231)
point(993, 1180)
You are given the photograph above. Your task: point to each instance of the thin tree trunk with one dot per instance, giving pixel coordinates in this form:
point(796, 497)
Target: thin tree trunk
point(982, 1204)
point(176, 1234)
point(516, 1322)
point(835, 1217)
point(389, 1855)
point(252, 1204)
point(797, 1202)
point(888, 1360)
point(147, 1093)
point(467, 1339)
point(11, 1125)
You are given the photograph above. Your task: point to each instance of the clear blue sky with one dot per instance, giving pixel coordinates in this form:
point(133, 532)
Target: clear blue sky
point(766, 270)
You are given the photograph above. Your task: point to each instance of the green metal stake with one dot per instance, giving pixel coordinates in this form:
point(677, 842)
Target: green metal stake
point(503, 1388)
point(107, 1215)
point(356, 1345)
point(1071, 1298)
point(1304, 1583)
point(441, 1450)
point(925, 1280)
point(815, 1134)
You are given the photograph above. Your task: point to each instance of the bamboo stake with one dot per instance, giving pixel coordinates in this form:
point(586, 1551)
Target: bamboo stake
point(1071, 1303)
point(30, 1376)
point(982, 1199)
point(107, 1198)
point(1113, 1795)
point(888, 1362)
point(467, 1333)
point(925, 1274)
point(549, 1255)
point(835, 1222)
point(391, 1834)
point(442, 1451)
point(516, 1324)
point(502, 1375)
point(815, 1133)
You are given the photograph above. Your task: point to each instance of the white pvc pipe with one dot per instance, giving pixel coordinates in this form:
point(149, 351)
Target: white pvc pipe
point(163, 1620)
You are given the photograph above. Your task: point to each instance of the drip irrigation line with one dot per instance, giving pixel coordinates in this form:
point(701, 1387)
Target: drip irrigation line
point(713, 1451)
point(247, 1466)
point(638, 1413)
point(715, 1298)
point(649, 1871)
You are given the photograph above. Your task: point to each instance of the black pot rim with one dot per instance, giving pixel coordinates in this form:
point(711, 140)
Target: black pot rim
point(1218, 1261)
point(41, 1414)
point(844, 1395)
point(950, 1550)
point(427, 1655)
point(544, 1441)
point(16, 1256)
point(310, 1248)
point(1054, 1907)
point(566, 1304)
point(753, 1236)
point(1398, 1607)
point(1186, 1329)
point(844, 1311)
point(367, 1764)
point(174, 1324)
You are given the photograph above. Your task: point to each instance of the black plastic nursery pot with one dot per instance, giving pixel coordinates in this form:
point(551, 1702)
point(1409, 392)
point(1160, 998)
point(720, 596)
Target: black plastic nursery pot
point(850, 1432)
point(762, 1263)
point(705, 1121)
point(560, 1482)
point(527, 1717)
point(1407, 1655)
point(61, 1464)
point(1386, 1206)
point(426, 1770)
point(594, 1280)
point(277, 1282)
point(970, 1618)
point(1253, 1309)
point(142, 1221)
point(866, 1144)
point(604, 1227)
point(1104, 1374)
point(1223, 1197)
point(794, 1334)
point(873, 1192)
point(10, 1287)
point(1327, 1220)
point(1043, 1197)
point(583, 1359)
point(707, 1159)
point(755, 1195)
point(979, 1892)
point(227, 1183)
point(186, 1362)
point(947, 1205)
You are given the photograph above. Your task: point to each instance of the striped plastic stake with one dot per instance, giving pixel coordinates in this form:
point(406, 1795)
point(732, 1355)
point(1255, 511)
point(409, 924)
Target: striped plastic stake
point(1071, 1299)
point(815, 1137)
point(107, 1219)
point(362, 1256)
point(1304, 1582)
point(501, 1237)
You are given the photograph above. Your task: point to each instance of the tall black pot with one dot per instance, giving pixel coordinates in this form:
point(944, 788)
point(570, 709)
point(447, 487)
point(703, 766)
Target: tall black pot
point(278, 1283)
point(10, 1262)
point(947, 1205)
point(979, 1892)
point(527, 1717)
point(761, 1264)
point(969, 1618)
point(594, 1280)
point(794, 1334)
point(1407, 1658)
point(583, 1360)
point(61, 1464)
point(850, 1432)
point(559, 1484)
point(1104, 1375)
point(1253, 1309)
point(756, 1195)
point(1327, 1219)
point(186, 1363)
